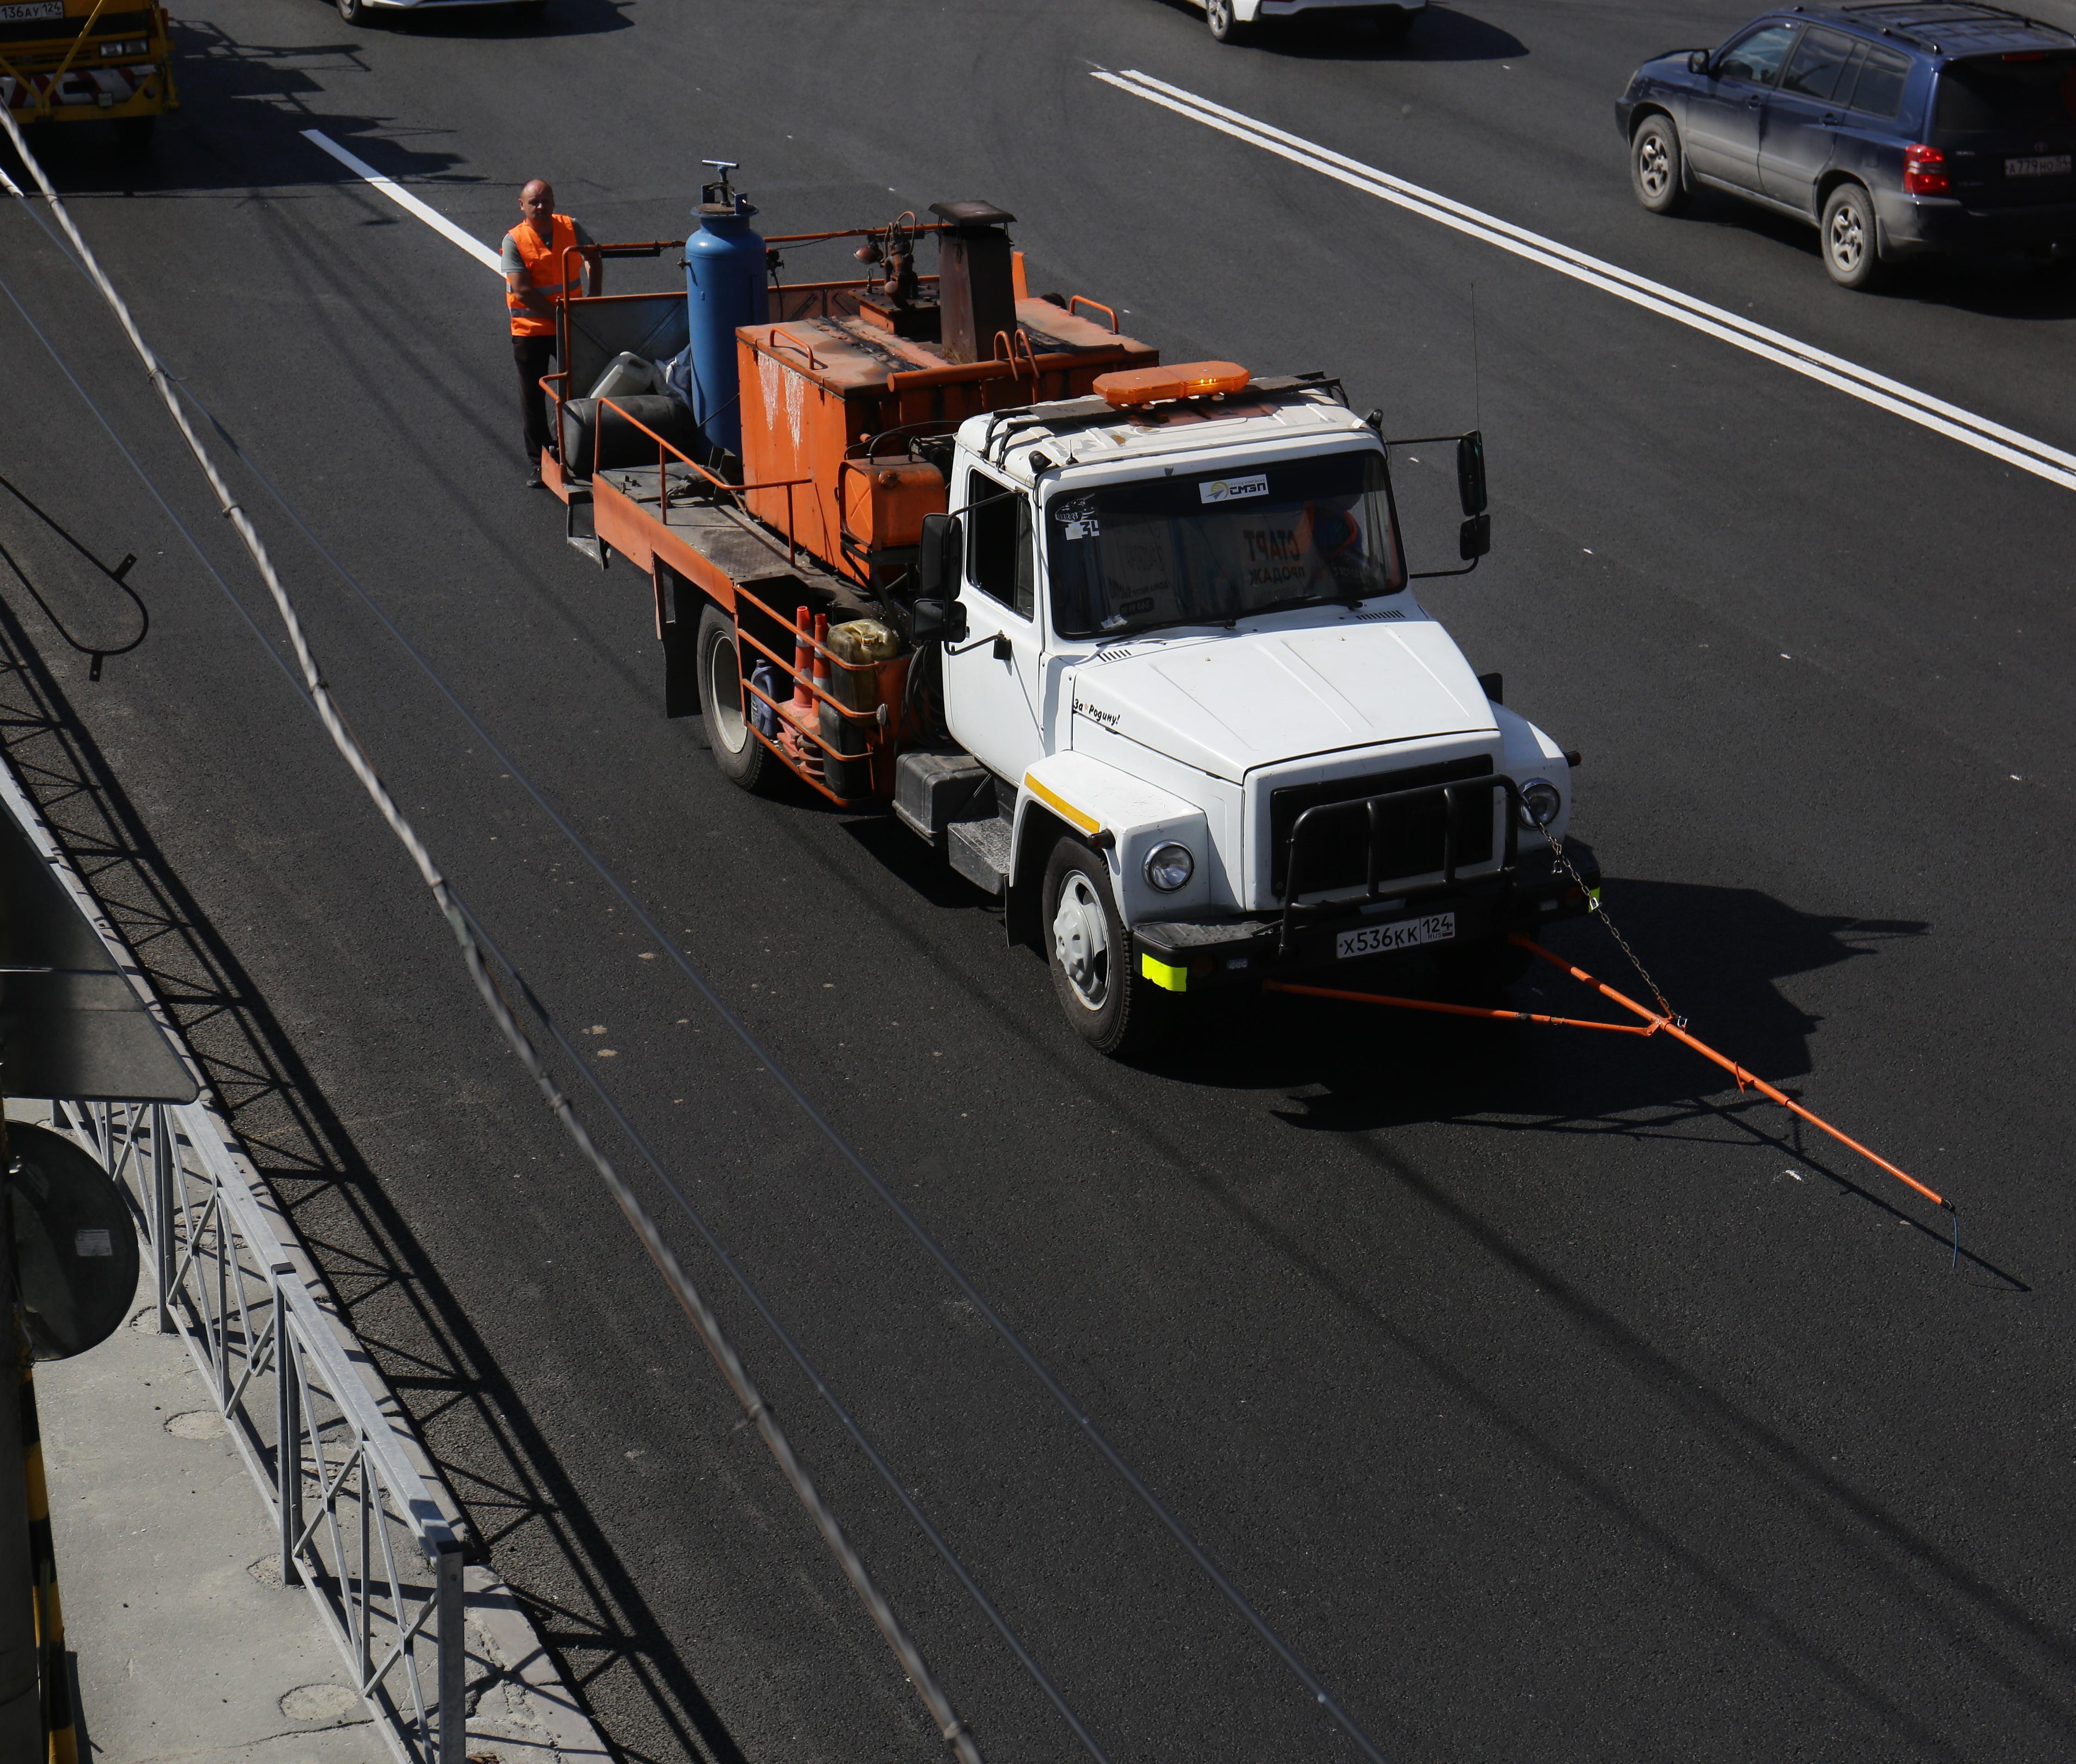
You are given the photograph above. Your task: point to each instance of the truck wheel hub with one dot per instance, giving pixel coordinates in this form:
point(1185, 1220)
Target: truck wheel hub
point(1080, 944)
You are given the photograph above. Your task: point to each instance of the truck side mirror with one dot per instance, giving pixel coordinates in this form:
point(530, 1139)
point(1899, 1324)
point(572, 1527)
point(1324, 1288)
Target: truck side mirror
point(935, 620)
point(937, 557)
point(1471, 473)
point(1697, 61)
point(1475, 538)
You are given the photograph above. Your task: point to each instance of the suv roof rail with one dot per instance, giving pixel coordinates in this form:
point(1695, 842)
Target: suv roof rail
point(1905, 20)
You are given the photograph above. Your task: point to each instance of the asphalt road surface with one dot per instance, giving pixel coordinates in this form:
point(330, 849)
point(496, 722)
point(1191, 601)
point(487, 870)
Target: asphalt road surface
point(1553, 1400)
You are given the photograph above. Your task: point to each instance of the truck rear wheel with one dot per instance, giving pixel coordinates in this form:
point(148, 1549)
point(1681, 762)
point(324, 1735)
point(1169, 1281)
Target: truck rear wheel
point(740, 755)
point(1110, 1006)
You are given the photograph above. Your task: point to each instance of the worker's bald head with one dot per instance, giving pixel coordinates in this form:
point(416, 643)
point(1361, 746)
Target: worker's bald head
point(537, 198)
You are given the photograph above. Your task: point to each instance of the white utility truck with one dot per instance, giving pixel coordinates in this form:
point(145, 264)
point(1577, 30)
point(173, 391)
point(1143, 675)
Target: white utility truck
point(1135, 647)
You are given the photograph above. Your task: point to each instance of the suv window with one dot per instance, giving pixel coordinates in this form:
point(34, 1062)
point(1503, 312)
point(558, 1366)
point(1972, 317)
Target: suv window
point(2024, 96)
point(998, 561)
point(1758, 57)
point(1818, 64)
point(1882, 76)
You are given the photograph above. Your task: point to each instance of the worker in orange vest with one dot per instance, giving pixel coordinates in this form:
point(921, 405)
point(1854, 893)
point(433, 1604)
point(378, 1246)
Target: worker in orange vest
point(538, 277)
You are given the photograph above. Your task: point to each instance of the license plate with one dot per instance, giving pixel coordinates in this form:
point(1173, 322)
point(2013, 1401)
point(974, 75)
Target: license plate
point(1401, 934)
point(26, 10)
point(2046, 165)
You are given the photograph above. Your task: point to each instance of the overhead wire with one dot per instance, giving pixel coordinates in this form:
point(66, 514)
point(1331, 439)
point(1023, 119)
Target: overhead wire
point(948, 1723)
point(1084, 1422)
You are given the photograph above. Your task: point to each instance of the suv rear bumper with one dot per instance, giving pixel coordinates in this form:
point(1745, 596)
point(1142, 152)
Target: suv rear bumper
point(1244, 950)
point(1913, 225)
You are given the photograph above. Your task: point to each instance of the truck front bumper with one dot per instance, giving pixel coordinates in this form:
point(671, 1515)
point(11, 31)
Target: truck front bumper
point(1244, 950)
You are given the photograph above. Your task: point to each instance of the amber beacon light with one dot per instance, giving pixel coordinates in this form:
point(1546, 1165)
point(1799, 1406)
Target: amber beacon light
point(1154, 385)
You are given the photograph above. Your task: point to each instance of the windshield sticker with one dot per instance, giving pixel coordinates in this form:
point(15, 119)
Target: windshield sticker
point(1077, 516)
point(1231, 489)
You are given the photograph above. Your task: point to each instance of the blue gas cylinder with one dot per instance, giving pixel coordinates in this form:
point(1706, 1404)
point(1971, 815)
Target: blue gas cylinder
point(724, 287)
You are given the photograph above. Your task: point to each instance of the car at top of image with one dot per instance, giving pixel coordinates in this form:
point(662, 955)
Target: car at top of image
point(1235, 21)
point(1896, 130)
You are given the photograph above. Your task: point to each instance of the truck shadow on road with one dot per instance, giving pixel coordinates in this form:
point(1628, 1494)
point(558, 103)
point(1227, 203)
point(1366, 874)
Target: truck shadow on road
point(1715, 953)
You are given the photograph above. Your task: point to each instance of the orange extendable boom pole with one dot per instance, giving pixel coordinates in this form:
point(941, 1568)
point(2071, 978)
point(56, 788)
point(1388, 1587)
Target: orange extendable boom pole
point(1745, 1079)
point(1457, 1010)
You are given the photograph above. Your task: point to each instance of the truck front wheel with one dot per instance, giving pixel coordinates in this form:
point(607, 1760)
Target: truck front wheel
point(1111, 1007)
point(740, 755)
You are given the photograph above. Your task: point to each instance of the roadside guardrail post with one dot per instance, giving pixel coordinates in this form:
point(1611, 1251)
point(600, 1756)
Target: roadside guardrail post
point(452, 1634)
point(288, 1427)
point(163, 1166)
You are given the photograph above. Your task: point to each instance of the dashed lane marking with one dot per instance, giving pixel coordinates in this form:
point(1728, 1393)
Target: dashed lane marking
point(1965, 426)
point(404, 199)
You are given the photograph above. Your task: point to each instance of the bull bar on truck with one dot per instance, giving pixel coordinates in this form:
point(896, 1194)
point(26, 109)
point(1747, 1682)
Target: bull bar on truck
point(1502, 900)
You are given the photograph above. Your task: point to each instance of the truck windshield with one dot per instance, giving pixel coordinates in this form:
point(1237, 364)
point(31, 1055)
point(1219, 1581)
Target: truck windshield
point(1213, 546)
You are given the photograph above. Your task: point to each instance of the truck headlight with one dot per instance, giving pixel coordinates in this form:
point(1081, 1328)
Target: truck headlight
point(1169, 867)
point(1540, 801)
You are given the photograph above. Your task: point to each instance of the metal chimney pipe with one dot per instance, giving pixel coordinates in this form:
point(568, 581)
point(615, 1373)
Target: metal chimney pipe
point(976, 284)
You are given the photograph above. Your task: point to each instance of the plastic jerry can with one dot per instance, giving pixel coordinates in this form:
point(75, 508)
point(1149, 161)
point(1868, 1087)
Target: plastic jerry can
point(867, 644)
point(628, 375)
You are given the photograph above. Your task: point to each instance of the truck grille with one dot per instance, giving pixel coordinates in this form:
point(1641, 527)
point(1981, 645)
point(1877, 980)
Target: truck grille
point(1337, 846)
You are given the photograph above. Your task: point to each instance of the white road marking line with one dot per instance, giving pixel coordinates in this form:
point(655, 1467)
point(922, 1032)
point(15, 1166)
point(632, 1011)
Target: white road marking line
point(404, 199)
point(2009, 445)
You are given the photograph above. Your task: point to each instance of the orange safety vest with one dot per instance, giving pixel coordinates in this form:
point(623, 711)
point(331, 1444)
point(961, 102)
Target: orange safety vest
point(544, 272)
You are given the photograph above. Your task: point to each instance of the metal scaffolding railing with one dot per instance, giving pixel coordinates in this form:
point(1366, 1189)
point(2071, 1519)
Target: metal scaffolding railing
point(357, 1526)
point(362, 1521)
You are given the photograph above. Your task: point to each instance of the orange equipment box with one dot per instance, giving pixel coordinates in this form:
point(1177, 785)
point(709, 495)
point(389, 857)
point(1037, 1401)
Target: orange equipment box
point(816, 392)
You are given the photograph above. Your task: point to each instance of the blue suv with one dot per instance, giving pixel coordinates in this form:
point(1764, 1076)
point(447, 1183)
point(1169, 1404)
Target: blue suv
point(1895, 129)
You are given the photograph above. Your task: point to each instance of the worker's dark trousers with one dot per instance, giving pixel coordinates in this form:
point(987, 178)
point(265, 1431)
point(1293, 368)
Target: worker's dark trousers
point(535, 356)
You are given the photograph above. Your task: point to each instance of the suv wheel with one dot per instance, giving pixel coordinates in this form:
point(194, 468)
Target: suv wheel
point(1848, 237)
point(1655, 169)
point(1224, 23)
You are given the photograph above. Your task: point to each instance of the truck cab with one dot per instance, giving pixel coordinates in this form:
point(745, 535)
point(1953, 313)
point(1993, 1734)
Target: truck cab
point(1206, 733)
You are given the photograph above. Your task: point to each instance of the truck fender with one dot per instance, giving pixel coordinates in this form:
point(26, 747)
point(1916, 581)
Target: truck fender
point(1527, 752)
point(1123, 817)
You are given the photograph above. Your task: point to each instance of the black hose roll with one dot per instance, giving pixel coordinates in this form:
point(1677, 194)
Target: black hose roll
point(622, 444)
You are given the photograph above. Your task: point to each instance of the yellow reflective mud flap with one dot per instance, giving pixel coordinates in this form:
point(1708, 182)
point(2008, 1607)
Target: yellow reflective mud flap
point(1174, 979)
